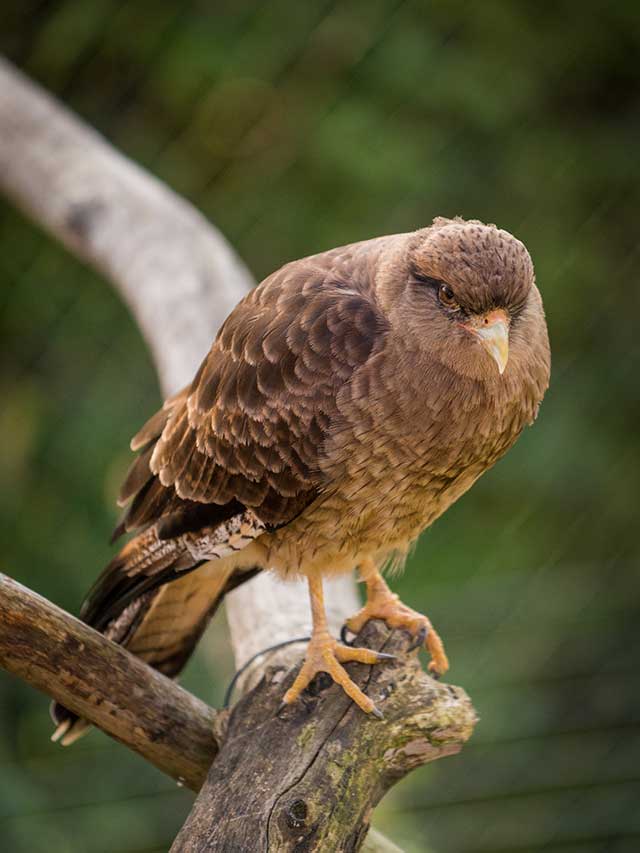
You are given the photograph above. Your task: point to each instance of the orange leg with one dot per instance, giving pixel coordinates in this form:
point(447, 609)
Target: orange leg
point(324, 654)
point(384, 604)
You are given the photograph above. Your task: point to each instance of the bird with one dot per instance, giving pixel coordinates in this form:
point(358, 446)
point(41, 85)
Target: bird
point(346, 402)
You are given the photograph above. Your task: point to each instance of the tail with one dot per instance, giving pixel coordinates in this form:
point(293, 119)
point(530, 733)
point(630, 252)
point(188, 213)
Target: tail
point(155, 598)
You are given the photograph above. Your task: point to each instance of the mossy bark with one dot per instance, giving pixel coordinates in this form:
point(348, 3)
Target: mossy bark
point(307, 778)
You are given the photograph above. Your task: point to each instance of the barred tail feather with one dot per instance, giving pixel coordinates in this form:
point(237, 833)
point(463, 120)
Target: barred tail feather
point(151, 599)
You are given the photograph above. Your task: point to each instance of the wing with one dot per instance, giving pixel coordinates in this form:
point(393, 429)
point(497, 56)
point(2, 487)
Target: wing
point(250, 430)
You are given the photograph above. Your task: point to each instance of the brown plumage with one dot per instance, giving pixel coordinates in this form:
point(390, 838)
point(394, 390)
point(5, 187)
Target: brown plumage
point(345, 404)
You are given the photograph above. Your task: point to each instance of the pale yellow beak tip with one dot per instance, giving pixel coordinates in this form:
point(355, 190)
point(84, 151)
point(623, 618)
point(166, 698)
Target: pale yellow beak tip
point(495, 339)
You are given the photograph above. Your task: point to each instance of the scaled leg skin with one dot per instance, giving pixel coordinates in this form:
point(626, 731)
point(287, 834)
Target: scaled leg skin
point(386, 605)
point(324, 654)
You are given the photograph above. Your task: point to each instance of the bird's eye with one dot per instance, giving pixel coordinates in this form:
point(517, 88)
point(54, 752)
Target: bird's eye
point(447, 298)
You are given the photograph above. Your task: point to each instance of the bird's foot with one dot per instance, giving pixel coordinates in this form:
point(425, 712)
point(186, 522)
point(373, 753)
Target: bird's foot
point(324, 654)
point(385, 605)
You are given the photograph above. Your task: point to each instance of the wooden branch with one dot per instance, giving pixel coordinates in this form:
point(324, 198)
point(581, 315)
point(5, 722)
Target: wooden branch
point(176, 272)
point(307, 778)
point(106, 685)
point(287, 774)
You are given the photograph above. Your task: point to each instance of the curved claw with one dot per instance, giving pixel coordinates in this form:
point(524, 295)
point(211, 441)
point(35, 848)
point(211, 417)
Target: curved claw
point(383, 604)
point(419, 639)
point(343, 636)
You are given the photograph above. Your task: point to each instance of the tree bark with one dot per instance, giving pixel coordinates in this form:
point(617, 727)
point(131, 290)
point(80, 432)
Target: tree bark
point(174, 270)
point(106, 685)
point(311, 776)
point(306, 778)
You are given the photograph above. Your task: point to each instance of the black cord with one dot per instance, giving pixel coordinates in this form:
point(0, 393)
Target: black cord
point(229, 692)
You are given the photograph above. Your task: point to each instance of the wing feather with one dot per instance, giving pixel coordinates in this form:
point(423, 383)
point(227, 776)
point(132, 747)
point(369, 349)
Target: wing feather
point(252, 426)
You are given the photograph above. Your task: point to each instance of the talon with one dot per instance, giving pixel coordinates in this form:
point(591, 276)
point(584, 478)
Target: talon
point(383, 604)
point(325, 655)
point(434, 670)
point(343, 636)
point(377, 713)
point(419, 639)
point(360, 655)
point(439, 661)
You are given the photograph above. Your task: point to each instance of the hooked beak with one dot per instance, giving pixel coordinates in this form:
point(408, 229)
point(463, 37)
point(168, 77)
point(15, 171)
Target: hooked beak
point(493, 331)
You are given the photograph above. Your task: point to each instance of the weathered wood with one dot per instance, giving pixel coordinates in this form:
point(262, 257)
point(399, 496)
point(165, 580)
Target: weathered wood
point(177, 273)
point(106, 685)
point(318, 759)
point(307, 778)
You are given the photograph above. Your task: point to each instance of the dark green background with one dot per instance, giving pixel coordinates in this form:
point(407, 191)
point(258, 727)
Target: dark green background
point(296, 126)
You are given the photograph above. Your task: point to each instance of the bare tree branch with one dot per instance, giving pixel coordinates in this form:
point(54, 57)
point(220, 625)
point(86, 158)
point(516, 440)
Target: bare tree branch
point(176, 272)
point(106, 685)
point(273, 768)
point(307, 777)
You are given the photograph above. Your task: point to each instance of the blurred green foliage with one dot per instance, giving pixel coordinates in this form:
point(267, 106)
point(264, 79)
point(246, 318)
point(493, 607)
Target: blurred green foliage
point(296, 126)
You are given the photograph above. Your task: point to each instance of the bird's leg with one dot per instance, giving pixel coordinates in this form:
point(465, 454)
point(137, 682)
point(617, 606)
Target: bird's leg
point(386, 605)
point(325, 654)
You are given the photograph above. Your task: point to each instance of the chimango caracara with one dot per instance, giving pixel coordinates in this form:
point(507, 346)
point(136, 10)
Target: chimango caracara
point(346, 402)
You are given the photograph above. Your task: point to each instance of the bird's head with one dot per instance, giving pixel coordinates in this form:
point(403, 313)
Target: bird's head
point(467, 297)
